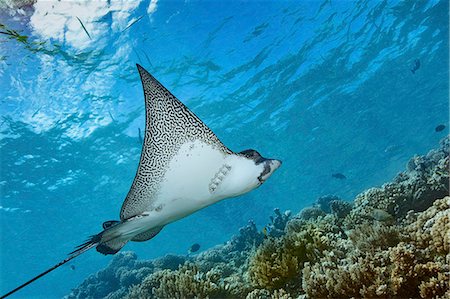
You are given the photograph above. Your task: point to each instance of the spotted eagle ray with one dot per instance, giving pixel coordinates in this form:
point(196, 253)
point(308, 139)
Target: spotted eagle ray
point(183, 168)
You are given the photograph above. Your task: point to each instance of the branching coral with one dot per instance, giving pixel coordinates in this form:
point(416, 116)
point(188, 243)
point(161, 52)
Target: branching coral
point(426, 179)
point(123, 271)
point(146, 288)
point(278, 223)
point(381, 267)
point(397, 272)
point(431, 229)
point(323, 202)
point(189, 282)
point(266, 294)
point(311, 213)
point(273, 264)
point(278, 262)
point(186, 282)
point(372, 237)
point(340, 208)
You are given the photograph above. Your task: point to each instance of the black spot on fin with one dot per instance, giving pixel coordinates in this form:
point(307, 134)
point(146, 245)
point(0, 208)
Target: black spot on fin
point(109, 223)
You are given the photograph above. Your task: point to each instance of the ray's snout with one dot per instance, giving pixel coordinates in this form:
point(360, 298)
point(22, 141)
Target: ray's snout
point(270, 165)
point(275, 163)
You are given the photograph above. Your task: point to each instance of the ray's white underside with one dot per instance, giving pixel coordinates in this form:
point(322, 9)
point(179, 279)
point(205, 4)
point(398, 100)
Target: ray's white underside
point(198, 175)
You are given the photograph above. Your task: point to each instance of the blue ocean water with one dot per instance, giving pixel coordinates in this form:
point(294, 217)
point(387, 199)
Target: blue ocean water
point(325, 86)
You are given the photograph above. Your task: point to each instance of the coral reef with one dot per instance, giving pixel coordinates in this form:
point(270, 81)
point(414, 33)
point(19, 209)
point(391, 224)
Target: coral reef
point(273, 265)
point(431, 229)
point(426, 179)
point(278, 261)
point(400, 271)
point(323, 202)
point(310, 213)
point(340, 208)
point(278, 223)
point(123, 271)
point(392, 242)
point(186, 282)
point(248, 237)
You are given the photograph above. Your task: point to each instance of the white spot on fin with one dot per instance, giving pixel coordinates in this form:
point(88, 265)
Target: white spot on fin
point(218, 177)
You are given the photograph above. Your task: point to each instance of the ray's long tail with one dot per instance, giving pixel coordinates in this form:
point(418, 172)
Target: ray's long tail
point(91, 243)
point(109, 241)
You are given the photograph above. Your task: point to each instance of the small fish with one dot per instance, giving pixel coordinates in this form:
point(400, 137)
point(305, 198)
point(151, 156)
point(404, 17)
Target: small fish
point(441, 173)
point(265, 233)
point(439, 128)
point(381, 215)
point(339, 176)
point(84, 28)
point(392, 149)
point(416, 66)
point(140, 136)
point(72, 267)
point(194, 248)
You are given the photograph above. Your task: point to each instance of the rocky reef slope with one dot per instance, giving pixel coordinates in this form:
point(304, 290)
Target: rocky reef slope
point(390, 242)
